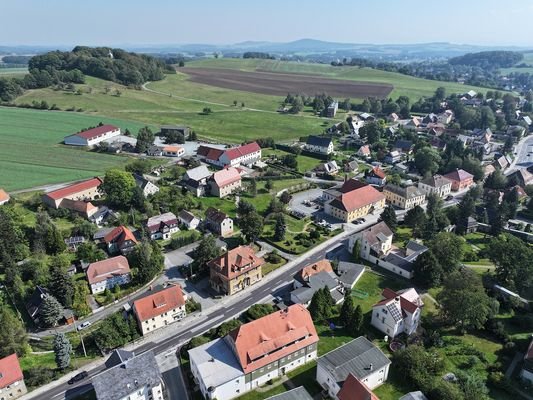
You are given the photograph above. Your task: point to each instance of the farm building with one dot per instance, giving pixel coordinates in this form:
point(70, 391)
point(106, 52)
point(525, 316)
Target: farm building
point(247, 154)
point(93, 136)
point(82, 191)
point(4, 197)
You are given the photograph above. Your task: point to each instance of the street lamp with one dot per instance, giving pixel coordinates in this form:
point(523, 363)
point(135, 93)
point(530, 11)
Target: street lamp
point(81, 338)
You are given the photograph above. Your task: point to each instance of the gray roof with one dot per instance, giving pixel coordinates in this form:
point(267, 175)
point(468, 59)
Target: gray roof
point(436, 181)
point(118, 357)
point(320, 141)
point(198, 173)
point(349, 272)
point(295, 394)
point(355, 358)
point(408, 192)
point(416, 247)
point(316, 282)
point(400, 262)
point(126, 378)
point(216, 363)
point(186, 216)
point(418, 395)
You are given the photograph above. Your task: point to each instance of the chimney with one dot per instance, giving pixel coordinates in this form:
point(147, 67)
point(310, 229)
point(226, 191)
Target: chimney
point(371, 367)
point(397, 298)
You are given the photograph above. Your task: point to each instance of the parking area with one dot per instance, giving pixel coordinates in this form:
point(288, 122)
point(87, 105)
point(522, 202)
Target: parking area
point(307, 202)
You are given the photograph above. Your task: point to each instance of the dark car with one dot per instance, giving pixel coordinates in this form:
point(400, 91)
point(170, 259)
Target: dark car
point(449, 197)
point(78, 377)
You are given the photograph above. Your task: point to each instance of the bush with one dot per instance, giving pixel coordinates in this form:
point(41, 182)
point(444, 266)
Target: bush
point(38, 376)
point(498, 380)
point(192, 305)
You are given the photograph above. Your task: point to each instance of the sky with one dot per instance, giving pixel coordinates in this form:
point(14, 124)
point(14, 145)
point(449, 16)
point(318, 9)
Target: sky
point(143, 22)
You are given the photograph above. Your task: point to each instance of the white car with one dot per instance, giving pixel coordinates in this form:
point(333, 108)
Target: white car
point(84, 325)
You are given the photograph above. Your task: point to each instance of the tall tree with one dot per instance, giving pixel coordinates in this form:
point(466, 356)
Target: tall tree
point(51, 311)
point(356, 322)
point(415, 219)
point(13, 338)
point(427, 270)
point(317, 306)
point(62, 350)
point(463, 300)
point(448, 249)
point(207, 250)
point(389, 217)
point(61, 285)
point(347, 310)
point(148, 259)
point(145, 139)
point(427, 161)
point(253, 227)
point(119, 186)
point(356, 251)
point(280, 227)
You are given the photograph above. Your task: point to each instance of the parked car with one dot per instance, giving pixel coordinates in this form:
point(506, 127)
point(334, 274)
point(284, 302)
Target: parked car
point(78, 377)
point(449, 197)
point(84, 325)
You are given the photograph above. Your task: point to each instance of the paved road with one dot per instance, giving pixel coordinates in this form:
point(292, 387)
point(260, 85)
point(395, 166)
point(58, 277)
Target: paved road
point(522, 160)
point(170, 338)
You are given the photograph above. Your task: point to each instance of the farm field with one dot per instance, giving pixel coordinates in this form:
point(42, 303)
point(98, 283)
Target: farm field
point(403, 84)
point(280, 84)
point(31, 153)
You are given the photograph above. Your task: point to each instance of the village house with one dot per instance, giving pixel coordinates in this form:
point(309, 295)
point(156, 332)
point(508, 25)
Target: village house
point(393, 157)
point(33, 305)
point(225, 182)
point(107, 274)
point(195, 180)
point(367, 117)
point(364, 151)
point(120, 240)
point(235, 270)
point(398, 312)
point(4, 197)
point(404, 197)
point(148, 188)
point(12, 384)
point(159, 308)
point(319, 144)
point(522, 176)
point(360, 358)
point(413, 123)
point(254, 353)
point(328, 168)
point(352, 200)
point(460, 179)
point(85, 209)
point(331, 111)
point(319, 275)
point(247, 154)
point(82, 191)
point(299, 393)
point(218, 222)
point(393, 117)
point(403, 146)
point(92, 137)
point(129, 377)
point(172, 151)
point(376, 176)
point(527, 368)
point(188, 219)
point(350, 166)
point(416, 395)
point(162, 226)
point(354, 389)
point(376, 247)
point(155, 151)
point(436, 184)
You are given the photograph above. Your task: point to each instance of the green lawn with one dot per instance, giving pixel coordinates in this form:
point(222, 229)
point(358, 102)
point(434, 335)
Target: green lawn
point(270, 267)
point(305, 163)
point(403, 84)
point(402, 236)
point(31, 152)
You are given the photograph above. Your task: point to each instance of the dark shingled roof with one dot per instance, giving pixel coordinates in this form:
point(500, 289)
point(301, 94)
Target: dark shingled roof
point(354, 358)
point(322, 141)
point(295, 394)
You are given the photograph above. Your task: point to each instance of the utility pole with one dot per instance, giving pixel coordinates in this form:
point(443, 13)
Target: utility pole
point(81, 338)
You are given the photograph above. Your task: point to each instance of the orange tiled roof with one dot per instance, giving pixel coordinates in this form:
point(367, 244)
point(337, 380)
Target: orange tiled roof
point(267, 339)
point(236, 262)
point(102, 270)
point(120, 234)
point(226, 176)
point(312, 269)
point(357, 198)
point(159, 302)
point(74, 189)
point(10, 371)
point(354, 389)
point(3, 195)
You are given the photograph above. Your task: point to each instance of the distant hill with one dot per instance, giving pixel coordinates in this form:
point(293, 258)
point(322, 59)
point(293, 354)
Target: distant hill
point(489, 59)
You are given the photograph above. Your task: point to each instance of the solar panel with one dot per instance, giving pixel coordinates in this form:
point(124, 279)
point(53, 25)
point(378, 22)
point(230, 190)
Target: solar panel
point(395, 312)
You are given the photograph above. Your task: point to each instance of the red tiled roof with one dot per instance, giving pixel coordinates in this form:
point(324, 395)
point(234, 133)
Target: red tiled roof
point(3, 195)
point(354, 389)
point(102, 270)
point(236, 262)
point(10, 371)
point(226, 176)
point(267, 339)
point(312, 269)
point(351, 184)
point(390, 295)
point(244, 150)
point(459, 175)
point(159, 302)
point(120, 234)
point(211, 153)
point(378, 172)
point(75, 188)
point(86, 208)
point(95, 132)
point(364, 149)
point(357, 198)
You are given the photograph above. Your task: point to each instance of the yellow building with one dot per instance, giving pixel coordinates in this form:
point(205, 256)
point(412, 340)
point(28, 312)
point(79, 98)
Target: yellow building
point(404, 197)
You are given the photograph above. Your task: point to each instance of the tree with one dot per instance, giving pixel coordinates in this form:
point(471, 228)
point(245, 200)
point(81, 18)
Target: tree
point(119, 186)
point(290, 161)
point(280, 227)
point(347, 310)
point(227, 327)
point(415, 219)
point(373, 132)
point(13, 338)
point(145, 139)
point(89, 252)
point(473, 386)
point(61, 285)
point(427, 270)
point(317, 306)
point(62, 350)
point(427, 161)
point(80, 306)
point(252, 188)
point(51, 311)
point(148, 259)
point(244, 208)
point(418, 365)
point(253, 227)
point(13, 243)
point(356, 251)
point(497, 180)
point(285, 197)
point(389, 217)
point(258, 311)
point(447, 248)
point(275, 206)
point(463, 300)
point(269, 185)
point(354, 327)
point(207, 250)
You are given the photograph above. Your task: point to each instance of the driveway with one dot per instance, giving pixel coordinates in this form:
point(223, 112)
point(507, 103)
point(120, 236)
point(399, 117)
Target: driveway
point(298, 199)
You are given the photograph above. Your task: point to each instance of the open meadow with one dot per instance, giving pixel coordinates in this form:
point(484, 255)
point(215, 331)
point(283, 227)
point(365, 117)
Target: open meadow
point(31, 153)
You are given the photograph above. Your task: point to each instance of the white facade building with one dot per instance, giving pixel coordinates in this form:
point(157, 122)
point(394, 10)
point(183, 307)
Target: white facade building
point(92, 137)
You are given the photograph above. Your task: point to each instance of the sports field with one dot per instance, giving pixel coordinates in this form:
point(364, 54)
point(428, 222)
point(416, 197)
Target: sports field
point(31, 153)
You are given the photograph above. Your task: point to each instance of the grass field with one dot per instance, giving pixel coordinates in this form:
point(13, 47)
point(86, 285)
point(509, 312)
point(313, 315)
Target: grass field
point(403, 84)
point(31, 153)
